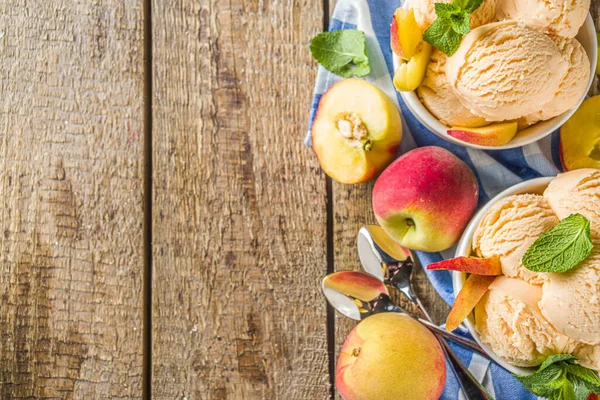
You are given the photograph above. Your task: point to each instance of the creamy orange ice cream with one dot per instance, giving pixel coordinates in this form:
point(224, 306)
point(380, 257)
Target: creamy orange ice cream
point(510, 323)
point(577, 191)
point(571, 301)
point(505, 70)
point(589, 356)
point(437, 95)
point(508, 229)
point(425, 12)
point(573, 85)
point(556, 17)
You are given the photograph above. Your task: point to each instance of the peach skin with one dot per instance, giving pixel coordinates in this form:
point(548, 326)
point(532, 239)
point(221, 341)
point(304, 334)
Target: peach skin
point(425, 199)
point(473, 290)
point(405, 34)
point(390, 356)
point(490, 135)
point(471, 265)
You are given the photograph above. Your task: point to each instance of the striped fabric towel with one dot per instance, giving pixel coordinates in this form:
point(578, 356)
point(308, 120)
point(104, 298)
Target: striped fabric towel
point(495, 170)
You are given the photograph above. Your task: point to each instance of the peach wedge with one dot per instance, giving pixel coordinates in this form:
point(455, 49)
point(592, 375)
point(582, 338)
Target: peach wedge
point(405, 35)
point(410, 74)
point(580, 137)
point(473, 290)
point(356, 132)
point(491, 135)
point(471, 265)
point(356, 284)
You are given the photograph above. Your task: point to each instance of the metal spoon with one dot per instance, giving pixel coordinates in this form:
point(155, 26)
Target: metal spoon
point(358, 295)
point(394, 265)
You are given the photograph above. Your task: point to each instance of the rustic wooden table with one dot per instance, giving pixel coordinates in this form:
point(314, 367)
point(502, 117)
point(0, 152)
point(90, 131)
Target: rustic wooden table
point(164, 229)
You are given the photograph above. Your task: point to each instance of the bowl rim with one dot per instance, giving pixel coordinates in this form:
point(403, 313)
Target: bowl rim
point(536, 185)
point(422, 114)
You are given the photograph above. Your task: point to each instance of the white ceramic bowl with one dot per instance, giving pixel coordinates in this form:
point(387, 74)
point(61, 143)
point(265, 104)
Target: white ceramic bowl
point(587, 37)
point(536, 186)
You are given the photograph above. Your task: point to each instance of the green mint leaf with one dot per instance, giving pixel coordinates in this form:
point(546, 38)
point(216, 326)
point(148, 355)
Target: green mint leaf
point(446, 10)
point(469, 6)
point(460, 23)
point(562, 248)
point(442, 36)
point(343, 52)
point(589, 377)
point(565, 392)
point(556, 358)
point(581, 390)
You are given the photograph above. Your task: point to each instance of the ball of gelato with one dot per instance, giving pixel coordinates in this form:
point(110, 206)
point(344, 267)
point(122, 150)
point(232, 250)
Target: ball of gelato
point(571, 301)
point(589, 356)
point(572, 87)
point(577, 191)
point(510, 323)
point(437, 95)
point(556, 17)
point(507, 230)
point(505, 70)
point(425, 12)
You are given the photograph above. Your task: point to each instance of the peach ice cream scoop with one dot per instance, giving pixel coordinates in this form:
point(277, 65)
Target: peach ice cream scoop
point(510, 323)
point(556, 17)
point(577, 191)
point(572, 87)
point(508, 229)
point(505, 70)
point(571, 301)
point(437, 95)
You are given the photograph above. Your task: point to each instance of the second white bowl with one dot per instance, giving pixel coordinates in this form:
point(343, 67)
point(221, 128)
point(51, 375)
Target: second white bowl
point(536, 186)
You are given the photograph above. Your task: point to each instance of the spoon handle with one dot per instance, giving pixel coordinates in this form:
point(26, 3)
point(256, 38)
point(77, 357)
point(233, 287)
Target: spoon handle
point(451, 336)
point(471, 388)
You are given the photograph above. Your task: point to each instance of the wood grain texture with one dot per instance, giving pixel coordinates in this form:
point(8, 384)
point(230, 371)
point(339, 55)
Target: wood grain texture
point(239, 216)
point(71, 174)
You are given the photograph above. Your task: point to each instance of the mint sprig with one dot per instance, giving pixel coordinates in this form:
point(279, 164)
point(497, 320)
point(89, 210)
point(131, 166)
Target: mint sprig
point(343, 52)
point(562, 248)
point(561, 378)
point(452, 22)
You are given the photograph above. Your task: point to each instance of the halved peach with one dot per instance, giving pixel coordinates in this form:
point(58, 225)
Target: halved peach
point(490, 135)
point(410, 74)
point(471, 265)
point(356, 132)
point(405, 34)
point(473, 290)
point(580, 137)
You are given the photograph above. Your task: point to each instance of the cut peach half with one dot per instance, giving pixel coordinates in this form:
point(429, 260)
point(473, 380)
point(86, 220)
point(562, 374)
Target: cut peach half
point(473, 290)
point(490, 135)
point(410, 74)
point(405, 34)
point(471, 265)
point(356, 132)
point(580, 137)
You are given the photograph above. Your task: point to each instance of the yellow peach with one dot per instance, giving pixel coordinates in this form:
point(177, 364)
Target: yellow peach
point(410, 74)
point(491, 135)
point(405, 35)
point(580, 137)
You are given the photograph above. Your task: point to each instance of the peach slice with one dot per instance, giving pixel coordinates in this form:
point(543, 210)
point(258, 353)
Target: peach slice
point(473, 290)
point(356, 284)
point(471, 265)
point(580, 137)
point(405, 34)
point(356, 132)
point(410, 74)
point(490, 135)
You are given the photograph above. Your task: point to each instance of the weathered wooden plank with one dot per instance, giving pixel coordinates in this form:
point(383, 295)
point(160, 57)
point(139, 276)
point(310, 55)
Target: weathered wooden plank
point(239, 210)
point(71, 141)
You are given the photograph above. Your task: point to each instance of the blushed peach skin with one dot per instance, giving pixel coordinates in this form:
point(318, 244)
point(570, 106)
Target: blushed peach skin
point(490, 135)
point(471, 265)
point(405, 34)
point(356, 132)
point(355, 284)
point(473, 290)
point(391, 356)
point(425, 199)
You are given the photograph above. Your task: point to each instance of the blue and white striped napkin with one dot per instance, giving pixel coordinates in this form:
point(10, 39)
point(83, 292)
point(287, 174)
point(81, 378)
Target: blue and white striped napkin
point(495, 170)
